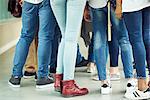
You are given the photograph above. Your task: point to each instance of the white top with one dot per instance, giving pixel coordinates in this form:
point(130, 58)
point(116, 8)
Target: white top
point(134, 5)
point(98, 3)
point(34, 1)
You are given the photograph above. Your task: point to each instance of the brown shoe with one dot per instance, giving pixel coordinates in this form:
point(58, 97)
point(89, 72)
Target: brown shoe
point(70, 89)
point(57, 84)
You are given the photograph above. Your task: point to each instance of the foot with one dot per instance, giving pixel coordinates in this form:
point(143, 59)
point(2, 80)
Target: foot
point(106, 89)
point(91, 68)
point(14, 81)
point(70, 89)
point(131, 85)
point(95, 78)
point(137, 95)
point(115, 77)
point(28, 75)
point(44, 82)
point(58, 82)
point(84, 62)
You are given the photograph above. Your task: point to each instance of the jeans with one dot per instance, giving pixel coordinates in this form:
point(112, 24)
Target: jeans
point(69, 14)
point(79, 56)
point(146, 34)
point(90, 51)
point(138, 28)
point(99, 19)
point(55, 44)
point(31, 14)
point(114, 51)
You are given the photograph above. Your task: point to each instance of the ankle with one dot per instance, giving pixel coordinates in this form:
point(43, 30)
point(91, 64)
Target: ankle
point(142, 84)
point(114, 70)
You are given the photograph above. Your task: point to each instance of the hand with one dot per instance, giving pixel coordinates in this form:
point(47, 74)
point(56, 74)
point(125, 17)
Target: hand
point(118, 11)
point(21, 2)
point(86, 15)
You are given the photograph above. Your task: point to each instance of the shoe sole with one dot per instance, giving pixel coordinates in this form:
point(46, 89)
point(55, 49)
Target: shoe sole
point(106, 93)
point(28, 77)
point(146, 98)
point(68, 96)
point(114, 79)
point(12, 85)
point(44, 86)
point(57, 89)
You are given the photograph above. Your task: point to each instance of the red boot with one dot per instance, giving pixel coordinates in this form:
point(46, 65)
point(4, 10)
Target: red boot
point(57, 84)
point(70, 89)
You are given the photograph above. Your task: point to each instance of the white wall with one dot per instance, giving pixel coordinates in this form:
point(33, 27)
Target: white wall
point(9, 33)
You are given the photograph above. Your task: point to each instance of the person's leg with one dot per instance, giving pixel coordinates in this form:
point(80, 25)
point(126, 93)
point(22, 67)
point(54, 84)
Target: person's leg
point(146, 34)
point(29, 13)
point(30, 58)
point(114, 54)
point(30, 65)
point(28, 19)
point(79, 56)
point(123, 40)
point(100, 40)
point(99, 20)
point(55, 45)
point(90, 51)
point(91, 67)
point(75, 9)
point(80, 60)
point(45, 36)
point(59, 9)
point(133, 21)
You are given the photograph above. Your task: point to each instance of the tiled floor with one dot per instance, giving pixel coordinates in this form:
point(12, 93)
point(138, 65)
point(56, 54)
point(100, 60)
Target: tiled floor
point(29, 92)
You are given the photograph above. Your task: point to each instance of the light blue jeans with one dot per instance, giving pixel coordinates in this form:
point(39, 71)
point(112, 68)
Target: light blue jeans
point(69, 14)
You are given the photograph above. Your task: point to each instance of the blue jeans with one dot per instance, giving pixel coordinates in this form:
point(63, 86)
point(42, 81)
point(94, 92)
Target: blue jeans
point(55, 44)
point(90, 51)
point(138, 28)
point(79, 56)
point(31, 14)
point(114, 51)
point(99, 19)
point(69, 14)
point(146, 34)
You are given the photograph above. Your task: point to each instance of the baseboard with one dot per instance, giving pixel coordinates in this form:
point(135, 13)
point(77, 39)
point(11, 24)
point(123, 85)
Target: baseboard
point(8, 46)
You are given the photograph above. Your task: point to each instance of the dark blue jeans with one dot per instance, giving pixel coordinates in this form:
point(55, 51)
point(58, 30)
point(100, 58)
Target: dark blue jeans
point(113, 51)
point(99, 19)
point(31, 15)
point(55, 44)
point(138, 26)
point(90, 51)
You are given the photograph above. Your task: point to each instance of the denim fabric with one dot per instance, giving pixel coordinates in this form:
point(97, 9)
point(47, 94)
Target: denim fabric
point(69, 14)
point(99, 19)
point(55, 44)
point(138, 27)
point(30, 16)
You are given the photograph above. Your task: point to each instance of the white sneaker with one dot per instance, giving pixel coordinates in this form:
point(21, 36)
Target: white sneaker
point(131, 85)
point(115, 77)
point(137, 95)
point(106, 89)
point(95, 78)
point(91, 68)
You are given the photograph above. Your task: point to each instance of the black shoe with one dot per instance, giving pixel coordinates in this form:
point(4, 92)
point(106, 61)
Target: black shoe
point(43, 82)
point(14, 81)
point(51, 76)
point(29, 75)
point(84, 62)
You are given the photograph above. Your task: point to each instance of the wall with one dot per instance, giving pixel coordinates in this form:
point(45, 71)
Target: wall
point(9, 33)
